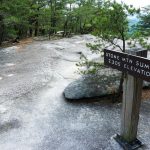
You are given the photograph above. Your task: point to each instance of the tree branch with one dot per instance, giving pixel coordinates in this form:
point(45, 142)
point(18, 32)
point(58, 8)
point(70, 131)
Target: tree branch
point(116, 45)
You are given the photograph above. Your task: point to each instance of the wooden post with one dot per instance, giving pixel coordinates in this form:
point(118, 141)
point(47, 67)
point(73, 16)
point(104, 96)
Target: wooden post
point(132, 92)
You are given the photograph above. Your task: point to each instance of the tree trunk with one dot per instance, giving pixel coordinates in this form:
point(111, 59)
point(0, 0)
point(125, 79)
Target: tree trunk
point(1, 29)
point(1, 36)
point(65, 28)
point(53, 16)
point(36, 23)
point(80, 26)
point(122, 74)
point(30, 32)
point(36, 28)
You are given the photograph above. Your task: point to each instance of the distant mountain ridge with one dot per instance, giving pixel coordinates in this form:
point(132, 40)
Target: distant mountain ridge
point(133, 20)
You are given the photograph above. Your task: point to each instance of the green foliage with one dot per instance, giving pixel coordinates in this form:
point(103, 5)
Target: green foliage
point(22, 18)
point(89, 67)
point(13, 19)
point(110, 25)
point(105, 19)
point(142, 29)
point(144, 24)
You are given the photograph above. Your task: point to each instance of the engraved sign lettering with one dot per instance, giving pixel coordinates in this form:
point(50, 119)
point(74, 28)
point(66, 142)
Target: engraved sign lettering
point(133, 65)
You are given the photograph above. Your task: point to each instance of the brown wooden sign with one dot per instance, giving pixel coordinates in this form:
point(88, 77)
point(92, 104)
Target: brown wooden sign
point(133, 65)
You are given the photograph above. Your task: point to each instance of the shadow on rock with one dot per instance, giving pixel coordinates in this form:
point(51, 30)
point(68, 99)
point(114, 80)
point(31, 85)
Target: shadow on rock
point(6, 126)
point(101, 100)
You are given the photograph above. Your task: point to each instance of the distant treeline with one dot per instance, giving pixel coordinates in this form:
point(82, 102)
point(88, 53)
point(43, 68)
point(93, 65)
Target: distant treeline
point(27, 18)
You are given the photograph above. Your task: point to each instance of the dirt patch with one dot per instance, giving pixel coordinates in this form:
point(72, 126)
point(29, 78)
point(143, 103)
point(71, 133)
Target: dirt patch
point(23, 42)
point(146, 94)
point(20, 43)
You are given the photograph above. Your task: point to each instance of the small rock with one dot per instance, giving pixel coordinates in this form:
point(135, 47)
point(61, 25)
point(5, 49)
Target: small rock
point(146, 84)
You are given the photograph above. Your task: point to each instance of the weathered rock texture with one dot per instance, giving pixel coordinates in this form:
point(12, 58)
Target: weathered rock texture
point(91, 86)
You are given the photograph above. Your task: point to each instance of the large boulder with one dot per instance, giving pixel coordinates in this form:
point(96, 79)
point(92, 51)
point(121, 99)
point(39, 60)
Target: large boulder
point(92, 86)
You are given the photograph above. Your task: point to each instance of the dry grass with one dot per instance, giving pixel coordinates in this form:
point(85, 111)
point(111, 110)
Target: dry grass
point(20, 44)
point(23, 42)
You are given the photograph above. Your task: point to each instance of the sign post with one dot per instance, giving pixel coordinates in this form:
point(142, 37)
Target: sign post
point(135, 68)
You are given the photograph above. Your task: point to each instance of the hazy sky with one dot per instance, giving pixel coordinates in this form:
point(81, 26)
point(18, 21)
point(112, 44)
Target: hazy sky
point(136, 3)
